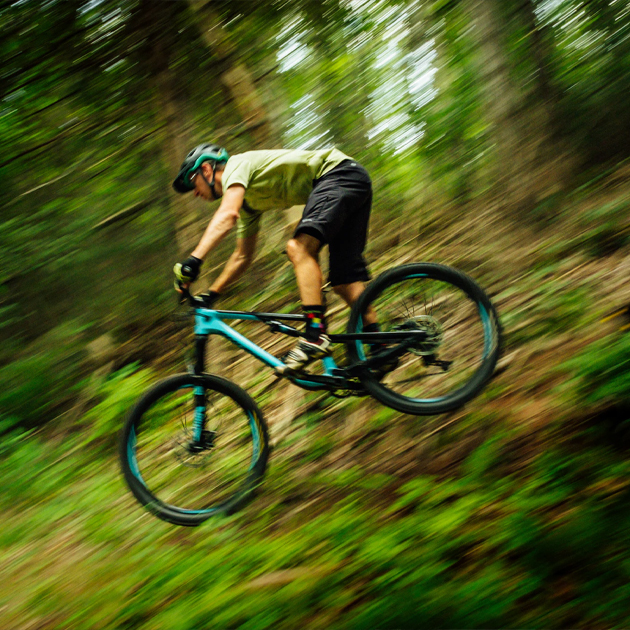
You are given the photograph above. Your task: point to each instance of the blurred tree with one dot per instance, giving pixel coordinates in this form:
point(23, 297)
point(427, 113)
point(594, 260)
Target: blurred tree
point(157, 25)
point(234, 75)
point(160, 27)
point(456, 135)
point(340, 74)
point(593, 69)
point(516, 90)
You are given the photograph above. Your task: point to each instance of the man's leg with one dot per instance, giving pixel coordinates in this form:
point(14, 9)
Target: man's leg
point(303, 252)
point(350, 293)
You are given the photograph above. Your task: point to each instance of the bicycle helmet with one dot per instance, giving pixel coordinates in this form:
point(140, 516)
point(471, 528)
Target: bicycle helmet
point(203, 153)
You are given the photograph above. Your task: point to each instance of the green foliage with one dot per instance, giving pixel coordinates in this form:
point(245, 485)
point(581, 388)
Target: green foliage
point(383, 418)
point(606, 228)
point(547, 211)
point(602, 372)
point(44, 379)
point(552, 305)
point(321, 447)
point(485, 459)
point(116, 397)
point(456, 136)
point(434, 552)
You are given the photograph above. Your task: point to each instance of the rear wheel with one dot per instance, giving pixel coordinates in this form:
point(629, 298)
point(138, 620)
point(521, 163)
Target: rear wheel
point(456, 357)
point(185, 475)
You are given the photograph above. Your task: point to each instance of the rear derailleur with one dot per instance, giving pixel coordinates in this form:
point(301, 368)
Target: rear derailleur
point(431, 359)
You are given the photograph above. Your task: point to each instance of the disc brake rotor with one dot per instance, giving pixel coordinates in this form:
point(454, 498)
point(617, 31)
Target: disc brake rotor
point(185, 453)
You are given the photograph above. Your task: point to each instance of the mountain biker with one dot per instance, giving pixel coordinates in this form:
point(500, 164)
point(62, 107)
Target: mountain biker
point(337, 193)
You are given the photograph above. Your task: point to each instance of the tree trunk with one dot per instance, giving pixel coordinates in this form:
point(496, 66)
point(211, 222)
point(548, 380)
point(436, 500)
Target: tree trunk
point(529, 166)
point(158, 24)
point(234, 76)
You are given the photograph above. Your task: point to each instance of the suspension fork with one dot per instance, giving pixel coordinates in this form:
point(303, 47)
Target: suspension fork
point(199, 398)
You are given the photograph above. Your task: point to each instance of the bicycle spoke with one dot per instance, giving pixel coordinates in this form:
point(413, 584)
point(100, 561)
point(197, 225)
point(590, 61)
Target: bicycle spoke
point(453, 349)
point(175, 470)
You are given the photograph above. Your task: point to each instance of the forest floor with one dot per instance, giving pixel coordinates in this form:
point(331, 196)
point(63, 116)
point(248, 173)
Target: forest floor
point(506, 513)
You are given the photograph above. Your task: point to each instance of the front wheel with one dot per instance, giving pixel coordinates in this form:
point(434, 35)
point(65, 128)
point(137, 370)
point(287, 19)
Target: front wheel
point(448, 365)
point(194, 447)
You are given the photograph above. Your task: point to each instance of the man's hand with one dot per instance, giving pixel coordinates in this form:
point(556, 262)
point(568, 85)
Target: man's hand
point(187, 271)
point(209, 299)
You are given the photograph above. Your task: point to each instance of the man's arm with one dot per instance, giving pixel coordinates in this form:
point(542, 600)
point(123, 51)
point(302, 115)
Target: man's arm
point(237, 263)
point(222, 222)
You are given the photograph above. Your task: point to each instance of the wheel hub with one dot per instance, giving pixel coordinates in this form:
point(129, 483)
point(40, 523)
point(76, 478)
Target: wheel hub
point(206, 442)
point(192, 453)
point(428, 325)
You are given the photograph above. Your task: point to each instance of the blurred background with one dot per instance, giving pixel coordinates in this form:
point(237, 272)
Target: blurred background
point(497, 135)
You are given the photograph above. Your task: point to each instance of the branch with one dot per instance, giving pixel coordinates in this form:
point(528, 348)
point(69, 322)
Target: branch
point(123, 150)
point(59, 100)
point(37, 147)
point(66, 132)
point(34, 63)
point(266, 73)
point(124, 214)
point(73, 168)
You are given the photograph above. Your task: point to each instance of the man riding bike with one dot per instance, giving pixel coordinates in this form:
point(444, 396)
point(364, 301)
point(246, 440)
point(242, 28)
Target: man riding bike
point(337, 193)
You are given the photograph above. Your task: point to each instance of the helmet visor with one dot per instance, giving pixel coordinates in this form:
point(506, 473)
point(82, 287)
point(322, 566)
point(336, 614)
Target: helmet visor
point(185, 180)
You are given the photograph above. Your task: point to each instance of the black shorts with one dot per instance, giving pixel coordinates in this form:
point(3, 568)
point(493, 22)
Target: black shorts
point(337, 213)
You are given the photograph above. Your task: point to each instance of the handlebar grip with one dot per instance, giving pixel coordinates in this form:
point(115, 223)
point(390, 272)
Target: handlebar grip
point(183, 294)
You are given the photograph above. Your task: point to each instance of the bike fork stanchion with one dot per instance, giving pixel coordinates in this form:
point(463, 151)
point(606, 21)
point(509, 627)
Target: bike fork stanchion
point(199, 398)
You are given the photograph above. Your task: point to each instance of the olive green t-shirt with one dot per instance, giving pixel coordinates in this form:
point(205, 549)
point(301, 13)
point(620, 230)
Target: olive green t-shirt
point(275, 179)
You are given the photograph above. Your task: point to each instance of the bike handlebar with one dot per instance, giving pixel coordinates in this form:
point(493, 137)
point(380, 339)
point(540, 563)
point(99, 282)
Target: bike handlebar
point(195, 301)
point(184, 295)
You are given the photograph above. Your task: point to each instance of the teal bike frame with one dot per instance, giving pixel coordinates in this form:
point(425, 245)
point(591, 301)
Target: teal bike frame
point(213, 322)
point(210, 322)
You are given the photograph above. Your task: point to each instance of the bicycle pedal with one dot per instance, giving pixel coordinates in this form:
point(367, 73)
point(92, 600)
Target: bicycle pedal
point(282, 370)
point(285, 371)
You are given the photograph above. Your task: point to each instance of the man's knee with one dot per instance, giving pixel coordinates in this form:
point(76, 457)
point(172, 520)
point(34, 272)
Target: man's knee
point(303, 246)
point(294, 249)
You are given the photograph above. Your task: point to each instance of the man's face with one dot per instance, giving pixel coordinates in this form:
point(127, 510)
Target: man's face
point(201, 188)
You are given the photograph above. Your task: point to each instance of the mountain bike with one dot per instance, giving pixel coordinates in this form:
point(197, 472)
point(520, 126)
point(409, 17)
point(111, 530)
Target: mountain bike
point(196, 445)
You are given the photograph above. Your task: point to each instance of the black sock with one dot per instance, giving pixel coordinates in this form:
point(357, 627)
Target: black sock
point(315, 322)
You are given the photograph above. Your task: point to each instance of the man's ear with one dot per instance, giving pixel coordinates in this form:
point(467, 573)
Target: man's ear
point(207, 170)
